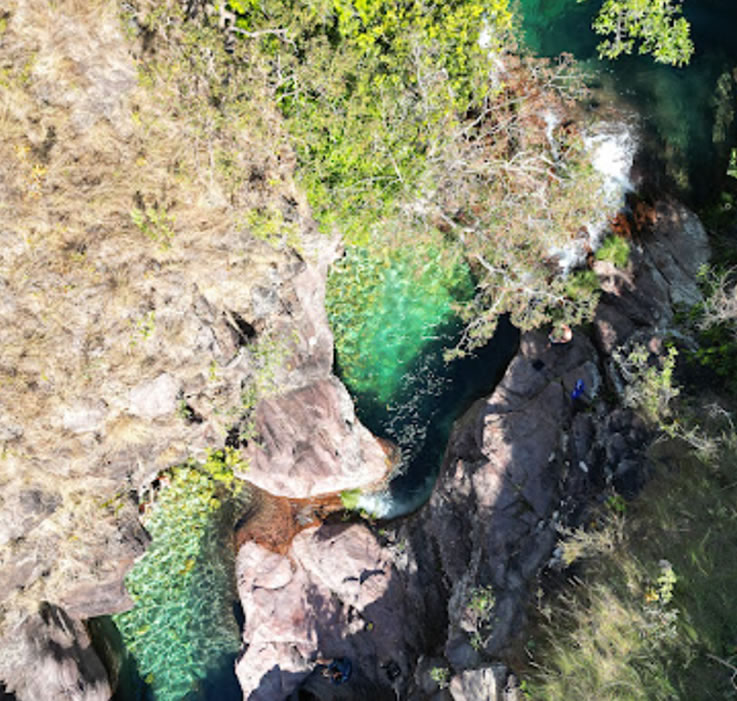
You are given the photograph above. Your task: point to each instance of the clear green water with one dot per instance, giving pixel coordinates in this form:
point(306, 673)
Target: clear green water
point(182, 635)
point(393, 317)
point(385, 307)
point(682, 108)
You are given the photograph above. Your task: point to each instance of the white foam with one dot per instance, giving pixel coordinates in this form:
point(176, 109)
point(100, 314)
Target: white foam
point(612, 147)
point(384, 505)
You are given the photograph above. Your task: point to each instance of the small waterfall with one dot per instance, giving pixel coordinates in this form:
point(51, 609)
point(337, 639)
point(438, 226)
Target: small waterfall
point(612, 147)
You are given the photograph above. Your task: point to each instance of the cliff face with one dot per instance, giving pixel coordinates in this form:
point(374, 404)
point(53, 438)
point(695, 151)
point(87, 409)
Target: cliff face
point(147, 320)
point(147, 315)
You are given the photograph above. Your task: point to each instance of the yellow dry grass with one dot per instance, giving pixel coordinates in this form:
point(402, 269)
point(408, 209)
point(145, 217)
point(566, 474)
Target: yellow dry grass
point(128, 169)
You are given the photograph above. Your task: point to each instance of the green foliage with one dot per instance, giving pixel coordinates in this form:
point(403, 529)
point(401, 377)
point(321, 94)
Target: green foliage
point(182, 626)
point(653, 617)
point(479, 611)
point(270, 226)
point(656, 26)
point(155, 223)
point(441, 676)
point(403, 125)
point(349, 498)
point(713, 322)
point(649, 382)
point(368, 87)
point(732, 167)
point(617, 504)
point(615, 250)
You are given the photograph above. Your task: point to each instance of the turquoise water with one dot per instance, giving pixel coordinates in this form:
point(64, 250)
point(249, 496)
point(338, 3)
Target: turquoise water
point(394, 318)
point(183, 634)
point(683, 109)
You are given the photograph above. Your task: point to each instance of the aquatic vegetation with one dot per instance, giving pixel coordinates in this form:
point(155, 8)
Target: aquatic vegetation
point(182, 628)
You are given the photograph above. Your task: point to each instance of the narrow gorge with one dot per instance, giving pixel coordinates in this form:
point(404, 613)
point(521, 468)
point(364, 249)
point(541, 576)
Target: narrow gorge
point(322, 326)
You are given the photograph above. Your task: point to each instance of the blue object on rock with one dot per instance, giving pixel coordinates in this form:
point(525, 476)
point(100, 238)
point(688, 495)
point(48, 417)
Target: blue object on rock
point(578, 390)
point(339, 670)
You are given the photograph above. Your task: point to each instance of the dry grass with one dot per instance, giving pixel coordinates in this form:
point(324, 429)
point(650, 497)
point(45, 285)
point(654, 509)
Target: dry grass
point(133, 151)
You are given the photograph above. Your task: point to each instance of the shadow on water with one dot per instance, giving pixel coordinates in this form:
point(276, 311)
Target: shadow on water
point(430, 396)
point(682, 109)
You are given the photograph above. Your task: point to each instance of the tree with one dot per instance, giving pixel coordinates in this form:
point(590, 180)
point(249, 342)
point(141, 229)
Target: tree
point(657, 26)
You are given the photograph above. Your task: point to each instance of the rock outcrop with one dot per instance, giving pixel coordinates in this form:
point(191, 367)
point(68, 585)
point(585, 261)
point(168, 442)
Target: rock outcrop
point(491, 518)
point(447, 589)
point(309, 442)
point(336, 593)
point(48, 655)
point(143, 321)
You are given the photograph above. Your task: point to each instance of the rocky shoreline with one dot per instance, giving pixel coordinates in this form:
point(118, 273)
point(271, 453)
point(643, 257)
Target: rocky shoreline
point(397, 598)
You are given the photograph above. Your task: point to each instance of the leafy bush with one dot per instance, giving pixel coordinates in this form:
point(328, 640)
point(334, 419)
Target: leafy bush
point(407, 120)
point(614, 250)
point(657, 26)
point(649, 386)
point(713, 322)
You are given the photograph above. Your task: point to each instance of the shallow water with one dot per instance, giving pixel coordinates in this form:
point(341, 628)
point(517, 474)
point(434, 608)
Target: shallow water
point(183, 634)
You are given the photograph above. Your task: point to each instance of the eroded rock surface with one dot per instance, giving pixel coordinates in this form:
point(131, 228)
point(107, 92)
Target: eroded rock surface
point(310, 442)
point(662, 272)
point(491, 517)
point(336, 593)
point(59, 662)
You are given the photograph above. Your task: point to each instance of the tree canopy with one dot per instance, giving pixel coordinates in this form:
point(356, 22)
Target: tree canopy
point(656, 27)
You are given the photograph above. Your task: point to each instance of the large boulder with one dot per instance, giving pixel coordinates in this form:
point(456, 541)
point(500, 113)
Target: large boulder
point(491, 519)
point(336, 593)
point(310, 442)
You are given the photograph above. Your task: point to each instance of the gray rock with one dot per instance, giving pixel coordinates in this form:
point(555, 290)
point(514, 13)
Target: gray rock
point(483, 684)
point(154, 398)
point(23, 510)
point(662, 272)
point(488, 517)
point(48, 656)
point(336, 593)
point(84, 416)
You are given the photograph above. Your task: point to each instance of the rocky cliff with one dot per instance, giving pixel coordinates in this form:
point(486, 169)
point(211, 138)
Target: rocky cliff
point(147, 320)
point(443, 595)
point(163, 318)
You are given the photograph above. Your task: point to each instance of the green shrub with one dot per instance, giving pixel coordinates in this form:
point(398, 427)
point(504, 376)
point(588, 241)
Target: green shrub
point(614, 250)
point(649, 387)
point(402, 126)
